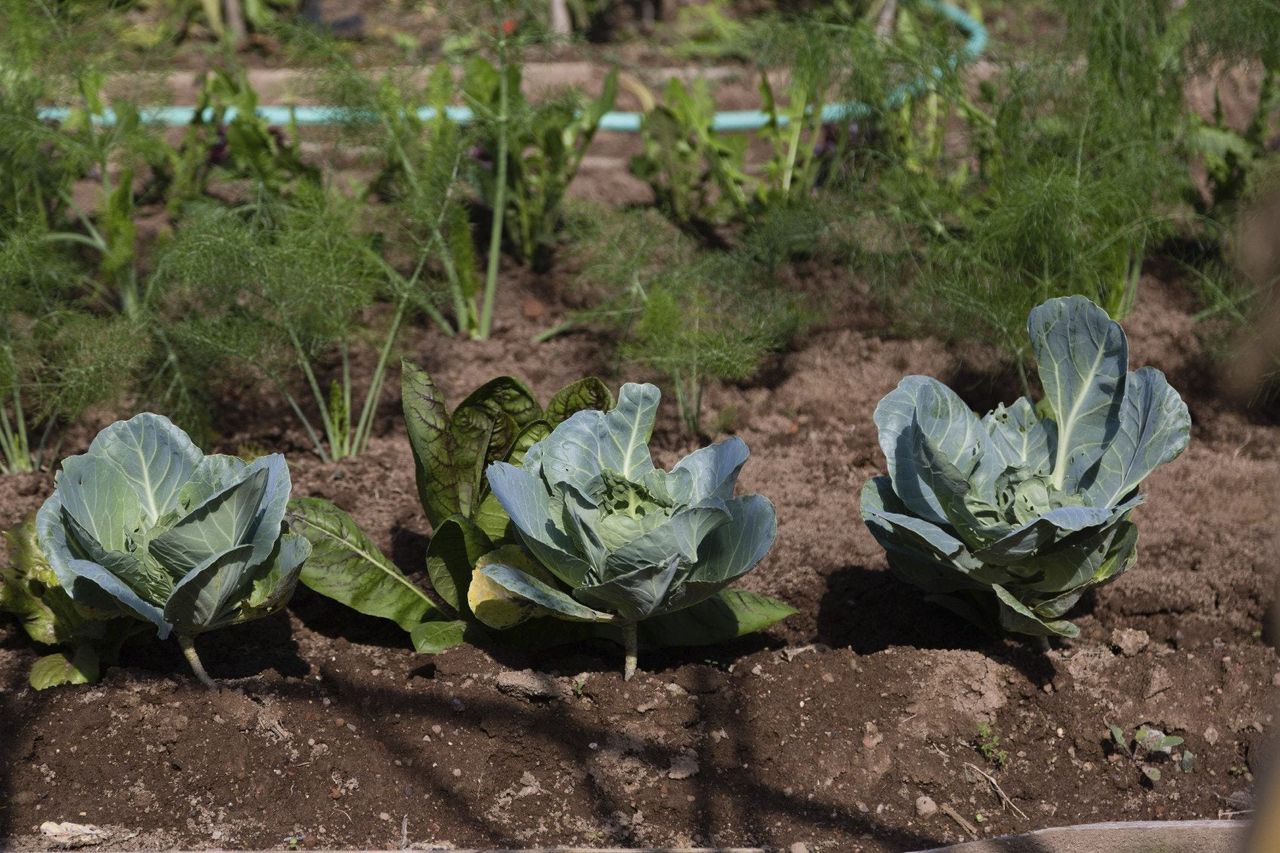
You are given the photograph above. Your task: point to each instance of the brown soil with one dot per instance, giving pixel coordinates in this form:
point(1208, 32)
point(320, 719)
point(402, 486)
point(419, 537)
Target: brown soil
point(825, 730)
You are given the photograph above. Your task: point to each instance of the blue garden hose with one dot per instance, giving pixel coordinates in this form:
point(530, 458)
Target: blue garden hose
point(620, 122)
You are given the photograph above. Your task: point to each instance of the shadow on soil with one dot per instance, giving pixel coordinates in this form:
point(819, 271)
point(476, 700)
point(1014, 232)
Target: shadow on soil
point(868, 611)
point(726, 794)
point(250, 649)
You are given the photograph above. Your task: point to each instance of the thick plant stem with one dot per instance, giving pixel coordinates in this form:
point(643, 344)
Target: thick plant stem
point(499, 196)
point(188, 645)
point(630, 643)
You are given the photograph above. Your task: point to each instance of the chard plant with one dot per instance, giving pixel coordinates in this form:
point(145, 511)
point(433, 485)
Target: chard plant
point(614, 540)
point(147, 527)
point(1010, 518)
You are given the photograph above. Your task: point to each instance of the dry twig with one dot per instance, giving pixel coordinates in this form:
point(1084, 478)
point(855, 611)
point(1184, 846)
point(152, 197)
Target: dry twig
point(1004, 798)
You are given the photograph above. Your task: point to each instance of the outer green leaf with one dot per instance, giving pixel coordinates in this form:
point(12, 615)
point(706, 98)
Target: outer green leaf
point(155, 457)
point(1019, 438)
point(1154, 428)
point(80, 667)
point(712, 472)
point(536, 514)
point(347, 567)
point(542, 594)
point(143, 576)
point(921, 403)
point(589, 442)
point(679, 537)
point(1017, 617)
point(432, 638)
point(451, 557)
point(636, 595)
point(88, 583)
point(273, 588)
point(427, 423)
point(1082, 358)
point(206, 597)
point(100, 498)
point(1049, 529)
point(224, 521)
point(890, 523)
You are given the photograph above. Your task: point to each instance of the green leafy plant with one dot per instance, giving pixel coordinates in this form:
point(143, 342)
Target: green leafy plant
point(1010, 518)
point(614, 540)
point(698, 176)
point(232, 19)
point(990, 747)
point(420, 162)
point(1148, 747)
point(545, 143)
point(31, 591)
point(285, 288)
point(498, 421)
point(692, 316)
point(147, 527)
point(227, 134)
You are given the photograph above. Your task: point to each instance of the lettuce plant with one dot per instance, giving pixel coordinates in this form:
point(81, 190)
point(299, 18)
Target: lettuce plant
point(622, 541)
point(1010, 518)
point(146, 526)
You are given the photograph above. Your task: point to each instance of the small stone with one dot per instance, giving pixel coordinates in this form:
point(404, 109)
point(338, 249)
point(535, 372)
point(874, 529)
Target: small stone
point(529, 685)
point(872, 738)
point(1130, 641)
point(1159, 682)
point(71, 835)
point(925, 806)
point(383, 816)
point(798, 847)
point(1211, 736)
point(683, 766)
point(1275, 680)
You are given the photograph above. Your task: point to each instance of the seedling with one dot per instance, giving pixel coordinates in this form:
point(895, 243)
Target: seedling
point(989, 746)
point(1147, 747)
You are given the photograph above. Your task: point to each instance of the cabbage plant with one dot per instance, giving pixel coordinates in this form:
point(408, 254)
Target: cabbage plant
point(146, 526)
point(616, 540)
point(1010, 518)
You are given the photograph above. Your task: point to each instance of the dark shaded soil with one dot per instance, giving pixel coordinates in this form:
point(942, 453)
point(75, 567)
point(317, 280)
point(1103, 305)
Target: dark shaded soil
point(826, 730)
